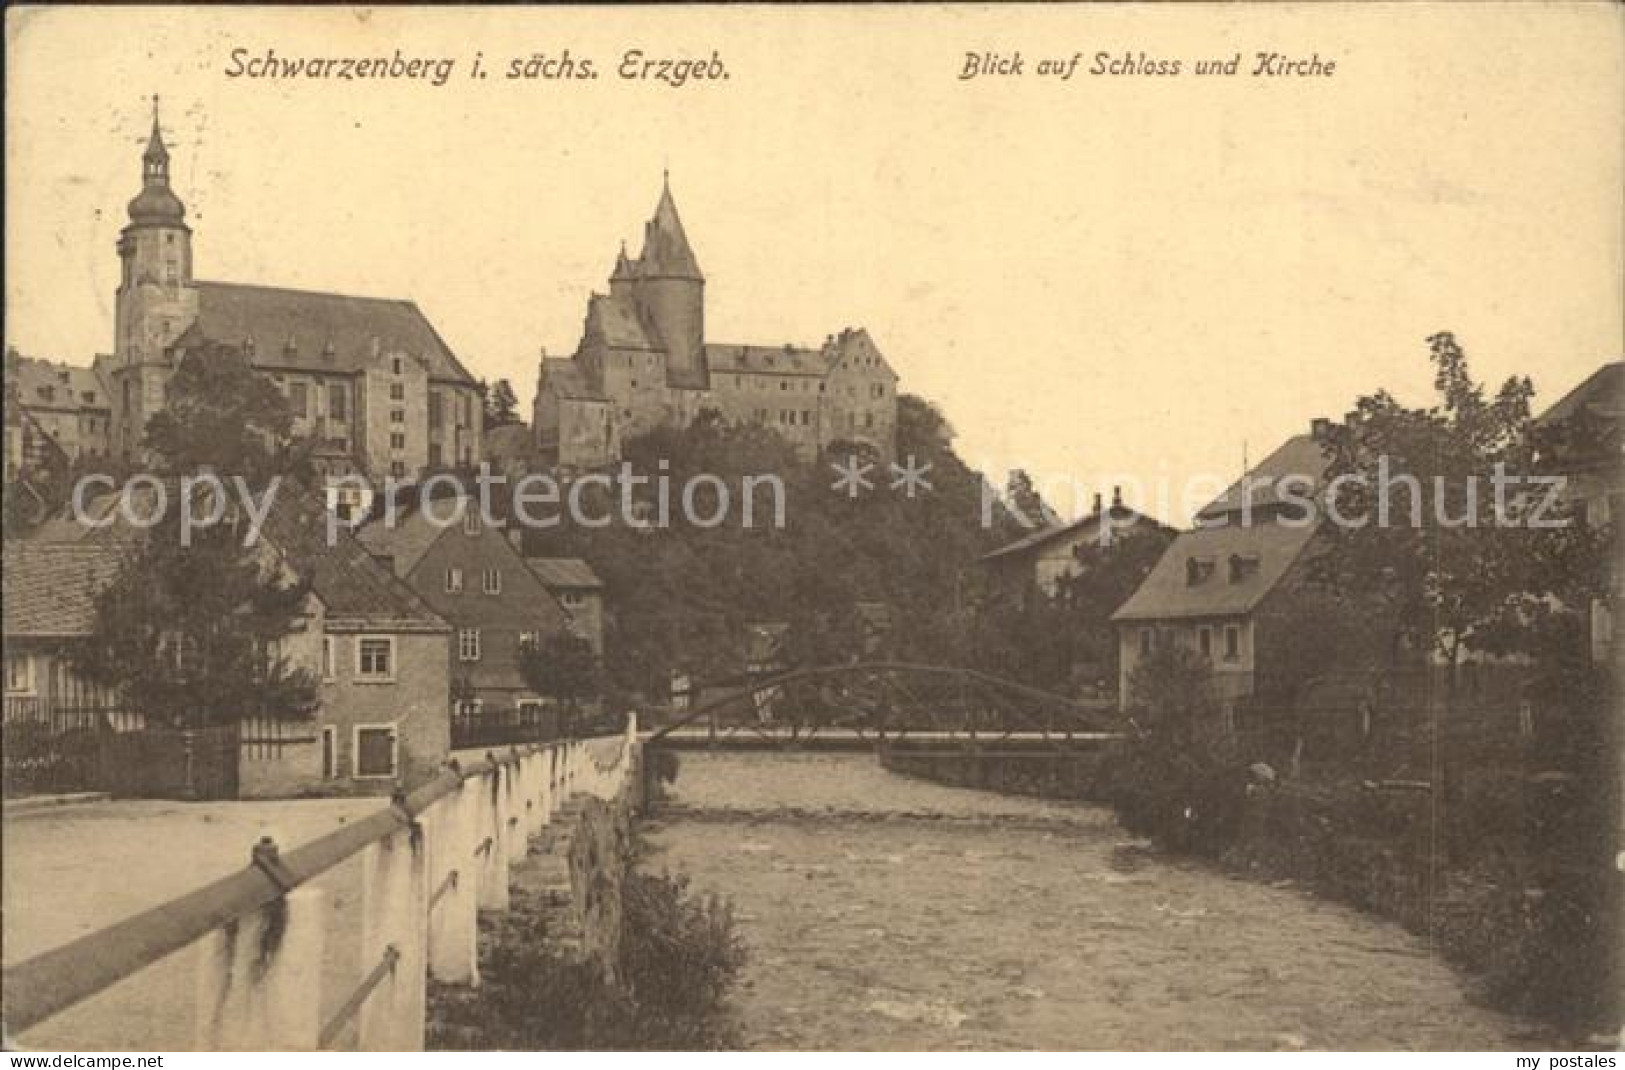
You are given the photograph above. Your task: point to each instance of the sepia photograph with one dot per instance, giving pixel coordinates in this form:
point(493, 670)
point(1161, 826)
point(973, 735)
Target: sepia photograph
point(813, 528)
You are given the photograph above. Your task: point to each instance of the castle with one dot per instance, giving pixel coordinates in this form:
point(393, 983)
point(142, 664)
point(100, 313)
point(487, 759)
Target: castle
point(644, 362)
point(369, 379)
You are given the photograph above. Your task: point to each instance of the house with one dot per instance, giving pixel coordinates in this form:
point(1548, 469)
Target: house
point(1040, 561)
point(1580, 438)
point(376, 650)
point(469, 573)
point(645, 360)
point(55, 412)
point(370, 379)
point(1221, 588)
point(50, 592)
point(579, 590)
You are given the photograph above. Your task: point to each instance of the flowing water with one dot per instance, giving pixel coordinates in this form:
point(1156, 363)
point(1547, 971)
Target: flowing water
point(883, 912)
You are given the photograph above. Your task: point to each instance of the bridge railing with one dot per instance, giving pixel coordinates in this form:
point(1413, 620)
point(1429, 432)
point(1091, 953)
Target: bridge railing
point(429, 862)
point(890, 696)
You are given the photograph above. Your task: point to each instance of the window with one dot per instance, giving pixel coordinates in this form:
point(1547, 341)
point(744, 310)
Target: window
point(397, 440)
point(395, 366)
point(337, 401)
point(330, 664)
point(435, 455)
point(454, 581)
point(1232, 642)
point(19, 674)
point(397, 416)
point(299, 399)
point(1204, 641)
point(527, 640)
point(330, 752)
point(492, 581)
point(375, 658)
point(471, 519)
point(573, 599)
point(437, 408)
point(375, 750)
point(397, 469)
point(468, 644)
point(397, 391)
point(1146, 642)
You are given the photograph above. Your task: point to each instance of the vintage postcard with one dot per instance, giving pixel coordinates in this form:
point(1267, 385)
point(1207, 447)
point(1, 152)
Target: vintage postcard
point(813, 528)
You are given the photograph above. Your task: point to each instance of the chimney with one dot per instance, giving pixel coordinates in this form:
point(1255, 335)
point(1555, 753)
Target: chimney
point(1097, 503)
point(1117, 497)
point(1320, 428)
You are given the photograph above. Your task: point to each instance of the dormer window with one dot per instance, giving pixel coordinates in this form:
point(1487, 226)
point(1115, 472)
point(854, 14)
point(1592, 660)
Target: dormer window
point(1197, 570)
point(471, 521)
point(1243, 566)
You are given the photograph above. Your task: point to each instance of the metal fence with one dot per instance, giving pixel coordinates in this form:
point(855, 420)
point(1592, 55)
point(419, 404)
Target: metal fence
point(49, 747)
point(428, 862)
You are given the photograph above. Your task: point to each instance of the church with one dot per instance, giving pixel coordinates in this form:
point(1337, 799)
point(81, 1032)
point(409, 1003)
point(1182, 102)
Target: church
point(644, 361)
point(369, 379)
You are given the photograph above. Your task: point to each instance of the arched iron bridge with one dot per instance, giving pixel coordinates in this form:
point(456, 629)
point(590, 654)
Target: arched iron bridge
point(884, 701)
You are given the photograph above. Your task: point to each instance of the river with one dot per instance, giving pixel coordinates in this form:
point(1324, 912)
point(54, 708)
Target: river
point(886, 913)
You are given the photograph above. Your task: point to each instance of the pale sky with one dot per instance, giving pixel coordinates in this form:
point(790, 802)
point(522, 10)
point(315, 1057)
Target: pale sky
point(1092, 277)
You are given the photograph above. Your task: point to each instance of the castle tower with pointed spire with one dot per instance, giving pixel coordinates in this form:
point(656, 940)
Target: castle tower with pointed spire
point(669, 290)
point(644, 362)
point(156, 298)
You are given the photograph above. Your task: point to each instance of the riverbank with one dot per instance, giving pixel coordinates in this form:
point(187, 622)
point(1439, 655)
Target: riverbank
point(1522, 933)
point(889, 913)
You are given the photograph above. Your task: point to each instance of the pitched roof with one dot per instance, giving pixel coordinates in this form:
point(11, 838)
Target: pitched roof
point(356, 589)
point(855, 342)
point(1300, 462)
point(1122, 517)
point(1167, 593)
point(666, 252)
point(765, 360)
point(566, 378)
point(564, 572)
point(410, 534)
point(1602, 394)
point(52, 384)
point(50, 589)
point(329, 332)
point(615, 319)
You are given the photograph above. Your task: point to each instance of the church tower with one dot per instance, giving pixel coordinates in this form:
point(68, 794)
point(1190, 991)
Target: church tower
point(156, 299)
point(670, 292)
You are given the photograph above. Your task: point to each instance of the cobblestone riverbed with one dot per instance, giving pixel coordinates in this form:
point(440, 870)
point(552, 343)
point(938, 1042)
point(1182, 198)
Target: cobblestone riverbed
point(888, 913)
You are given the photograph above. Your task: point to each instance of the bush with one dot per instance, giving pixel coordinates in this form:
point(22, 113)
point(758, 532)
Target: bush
point(679, 958)
point(1180, 779)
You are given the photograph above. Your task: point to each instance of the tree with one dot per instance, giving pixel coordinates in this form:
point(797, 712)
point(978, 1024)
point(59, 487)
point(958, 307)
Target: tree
point(223, 415)
point(562, 666)
point(1026, 504)
point(1436, 519)
point(1180, 778)
point(501, 405)
point(191, 636)
point(1107, 573)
